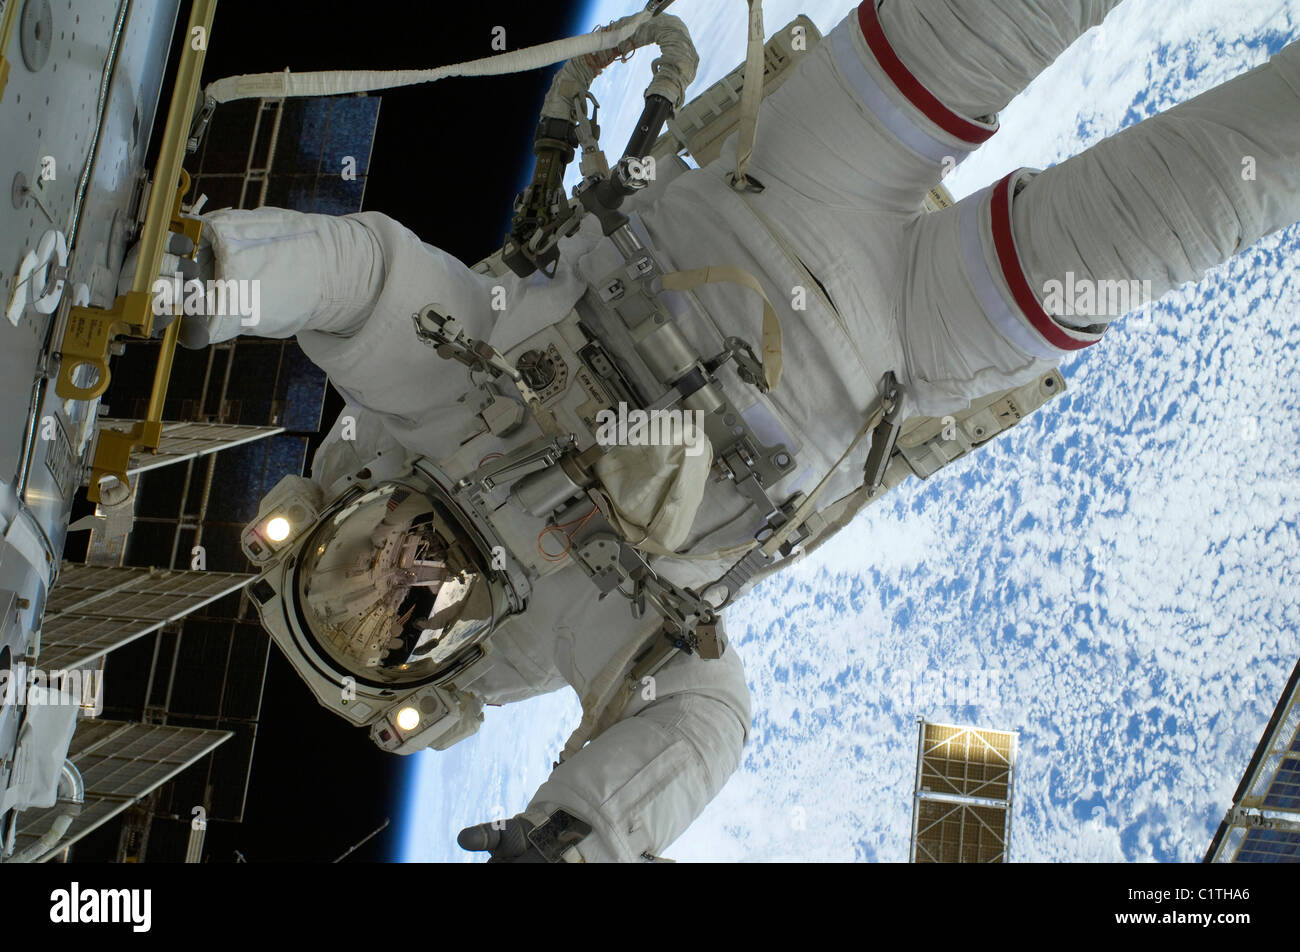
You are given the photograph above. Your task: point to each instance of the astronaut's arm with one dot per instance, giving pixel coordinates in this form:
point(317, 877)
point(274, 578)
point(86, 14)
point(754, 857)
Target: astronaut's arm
point(641, 783)
point(1046, 260)
point(975, 56)
point(346, 287)
point(312, 272)
point(1171, 197)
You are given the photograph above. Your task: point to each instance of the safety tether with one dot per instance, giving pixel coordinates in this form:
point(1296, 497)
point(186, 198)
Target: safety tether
point(336, 82)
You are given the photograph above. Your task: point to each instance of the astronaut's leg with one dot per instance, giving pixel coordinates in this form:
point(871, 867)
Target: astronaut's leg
point(893, 99)
point(975, 56)
point(1167, 199)
point(995, 290)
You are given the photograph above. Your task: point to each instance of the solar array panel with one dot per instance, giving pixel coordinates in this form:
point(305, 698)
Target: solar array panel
point(95, 609)
point(967, 761)
point(962, 804)
point(1263, 824)
point(120, 763)
point(188, 440)
point(953, 833)
point(1269, 846)
point(311, 155)
point(1284, 792)
point(259, 402)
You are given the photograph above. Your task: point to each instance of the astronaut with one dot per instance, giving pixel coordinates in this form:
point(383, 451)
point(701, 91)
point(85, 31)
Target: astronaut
point(907, 315)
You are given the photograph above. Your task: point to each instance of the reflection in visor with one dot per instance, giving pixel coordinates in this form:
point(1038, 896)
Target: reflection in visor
point(390, 589)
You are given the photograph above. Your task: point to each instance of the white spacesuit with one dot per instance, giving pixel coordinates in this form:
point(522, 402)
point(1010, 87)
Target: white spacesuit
point(953, 303)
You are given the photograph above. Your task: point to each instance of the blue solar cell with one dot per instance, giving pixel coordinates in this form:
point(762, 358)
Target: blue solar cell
point(351, 132)
point(244, 474)
point(302, 129)
point(320, 141)
point(1284, 792)
point(337, 196)
point(1270, 846)
point(311, 121)
point(302, 391)
point(286, 455)
point(1295, 744)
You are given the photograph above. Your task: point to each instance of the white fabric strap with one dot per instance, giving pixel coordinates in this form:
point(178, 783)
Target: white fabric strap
point(697, 277)
point(338, 82)
point(751, 93)
point(808, 506)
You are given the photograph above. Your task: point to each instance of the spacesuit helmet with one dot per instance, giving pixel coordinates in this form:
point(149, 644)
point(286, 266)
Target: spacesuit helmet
point(391, 589)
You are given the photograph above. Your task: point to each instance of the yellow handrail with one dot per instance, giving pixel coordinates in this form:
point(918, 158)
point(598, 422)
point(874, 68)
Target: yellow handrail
point(89, 331)
point(7, 21)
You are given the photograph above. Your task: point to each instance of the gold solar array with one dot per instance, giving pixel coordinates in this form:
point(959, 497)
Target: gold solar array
point(953, 833)
point(967, 761)
point(962, 807)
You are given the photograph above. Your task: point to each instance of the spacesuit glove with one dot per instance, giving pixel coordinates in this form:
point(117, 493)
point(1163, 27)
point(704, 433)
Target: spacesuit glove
point(521, 840)
point(194, 333)
point(505, 840)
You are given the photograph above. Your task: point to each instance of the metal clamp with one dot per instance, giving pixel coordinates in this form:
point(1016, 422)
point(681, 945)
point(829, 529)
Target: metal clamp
point(745, 184)
point(200, 125)
point(532, 456)
point(748, 367)
point(446, 335)
point(89, 330)
point(885, 435)
point(690, 623)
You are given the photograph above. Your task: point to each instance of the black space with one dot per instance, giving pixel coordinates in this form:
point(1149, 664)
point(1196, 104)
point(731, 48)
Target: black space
point(448, 160)
point(449, 156)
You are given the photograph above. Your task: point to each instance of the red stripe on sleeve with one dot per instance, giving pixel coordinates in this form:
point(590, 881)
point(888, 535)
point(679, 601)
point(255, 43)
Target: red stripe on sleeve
point(1014, 274)
point(910, 86)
